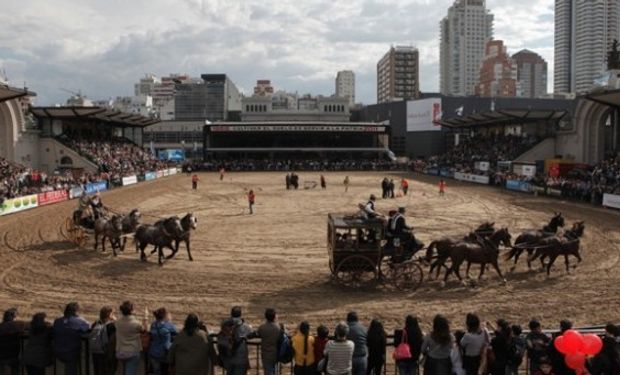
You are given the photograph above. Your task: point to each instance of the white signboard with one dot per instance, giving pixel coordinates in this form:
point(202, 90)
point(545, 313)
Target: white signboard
point(471, 178)
point(529, 170)
point(422, 115)
point(130, 180)
point(611, 200)
point(482, 165)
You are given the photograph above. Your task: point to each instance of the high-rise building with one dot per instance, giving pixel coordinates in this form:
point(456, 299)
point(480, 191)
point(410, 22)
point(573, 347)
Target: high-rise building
point(498, 73)
point(146, 85)
point(531, 73)
point(584, 32)
point(345, 85)
point(464, 32)
point(212, 99)
point(263, 88)
point(398, 75)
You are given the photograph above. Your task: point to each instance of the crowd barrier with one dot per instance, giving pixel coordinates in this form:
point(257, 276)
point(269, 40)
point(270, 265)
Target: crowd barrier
point(518, 185)
point(26, 202)
point(471, 178)
point(611, 200)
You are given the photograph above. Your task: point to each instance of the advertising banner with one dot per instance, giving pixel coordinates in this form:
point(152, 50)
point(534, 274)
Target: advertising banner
point(175, 154)
point(172, 171)
point(160, 174)
point(13, 205)
point(76, 192)
point(93, 187)
point(130, 180)
point(298, 128)
point(554, 192)
point(482, 165)
point(611, 200)
point(166, 172)
point(148, 176)
point(422, 115)
point(52, 197)
point(517, 185)
point(471, 178)
point(529, 170)
point(446, 172)
point(432, 171)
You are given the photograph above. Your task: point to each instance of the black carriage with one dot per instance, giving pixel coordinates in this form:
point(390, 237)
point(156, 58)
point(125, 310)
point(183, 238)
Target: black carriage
point(359, 254)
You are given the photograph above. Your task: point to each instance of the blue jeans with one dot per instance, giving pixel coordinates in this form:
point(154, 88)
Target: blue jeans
point(131, 365)
point(359, 365)
point(270, 368)
point(407, 368)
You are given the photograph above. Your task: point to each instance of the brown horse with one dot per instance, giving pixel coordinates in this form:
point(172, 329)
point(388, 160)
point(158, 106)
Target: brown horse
point(483, 252)
point(531, 238)
point(444, 244)
point(555, 246)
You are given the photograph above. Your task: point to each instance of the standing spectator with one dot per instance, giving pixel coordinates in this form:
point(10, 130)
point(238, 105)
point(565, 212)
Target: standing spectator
point(320, 340)
point(288, 181)
point(473, 344)
point(232, 343)
point(269, 333)
point(303, 347)
point(442, 188)
point(516, 351)
point(385, 186)
point(557, 358)
point(339, 352)
point(37, 354)
point(128, 338)
point(323, 183)
point(501, 344)
point(162, 331)
point(222, 172)
point(456, 354)
point(404, 186)
point(346, 183)
point(606, 361)
point(251, 198)
point(68, 331)
point(195, 180)
point(376, 341)
point(437, 347)
point(537, 343)
point(189, 353)
point(10, 332)
point(391, 187)
point(357, 334)
point(412, 335)
point(99, 341)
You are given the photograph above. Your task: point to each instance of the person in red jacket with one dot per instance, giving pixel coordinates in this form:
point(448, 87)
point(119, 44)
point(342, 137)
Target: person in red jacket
point(404, 186)
point(195, 180)
point(442, 188)
point(251, 198)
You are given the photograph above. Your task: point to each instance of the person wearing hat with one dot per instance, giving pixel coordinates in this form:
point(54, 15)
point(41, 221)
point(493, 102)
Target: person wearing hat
point(400, 229)
point(97, 205)
point(369, 208)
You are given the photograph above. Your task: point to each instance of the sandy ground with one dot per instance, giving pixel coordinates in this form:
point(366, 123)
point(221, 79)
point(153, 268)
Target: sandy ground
point(277, 257)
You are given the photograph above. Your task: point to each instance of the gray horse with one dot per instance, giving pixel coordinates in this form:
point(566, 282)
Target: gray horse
point(131, 223)
point(189, 222)
point(160, 235)
point(111, 229)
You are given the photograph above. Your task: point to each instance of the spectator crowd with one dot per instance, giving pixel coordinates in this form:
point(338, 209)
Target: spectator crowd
point(351, 348)
point(298, 165)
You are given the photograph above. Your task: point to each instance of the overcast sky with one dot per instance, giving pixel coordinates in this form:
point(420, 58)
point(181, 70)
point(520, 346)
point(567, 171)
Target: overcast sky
point(103, 47)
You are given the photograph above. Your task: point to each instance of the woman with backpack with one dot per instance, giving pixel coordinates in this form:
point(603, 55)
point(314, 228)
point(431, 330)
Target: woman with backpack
point(412, 336)
point(376, 340)
point(99, 341)
point(303, 347)
point(162, 331)
point(437, 347)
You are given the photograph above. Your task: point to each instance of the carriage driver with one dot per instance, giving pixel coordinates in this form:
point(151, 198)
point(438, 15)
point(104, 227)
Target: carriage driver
point(399, 229)
point(97, 205)
point(369, 208)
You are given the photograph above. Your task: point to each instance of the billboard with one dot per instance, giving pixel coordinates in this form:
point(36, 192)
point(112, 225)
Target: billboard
point(53, 197)
point(12, 205)
point(172, 155)
point(422, 115)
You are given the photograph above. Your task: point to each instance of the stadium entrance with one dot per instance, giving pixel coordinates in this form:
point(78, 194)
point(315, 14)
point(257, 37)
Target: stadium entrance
point(295, 140)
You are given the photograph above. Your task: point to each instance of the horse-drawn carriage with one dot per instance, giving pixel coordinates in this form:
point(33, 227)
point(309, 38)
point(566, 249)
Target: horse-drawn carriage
point(359, 254)
point(118, 228)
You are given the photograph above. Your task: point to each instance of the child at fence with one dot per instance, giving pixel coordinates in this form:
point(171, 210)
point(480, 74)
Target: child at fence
point(545, 367)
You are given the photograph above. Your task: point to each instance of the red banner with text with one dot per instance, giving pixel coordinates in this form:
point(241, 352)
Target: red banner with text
point(52, 197)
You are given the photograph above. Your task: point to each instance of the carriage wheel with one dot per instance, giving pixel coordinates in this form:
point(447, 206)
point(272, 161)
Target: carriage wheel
point(407, 276)
point(331, 267)
point(355, 271)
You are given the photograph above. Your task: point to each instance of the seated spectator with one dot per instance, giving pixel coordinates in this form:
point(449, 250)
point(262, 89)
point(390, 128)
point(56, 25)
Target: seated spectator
point(68, 332)
point(189, 353)
point(339, 352)
point(128, 338)
point(10, 332)
point(37, 354)
point(303, 348)
point(162, 332)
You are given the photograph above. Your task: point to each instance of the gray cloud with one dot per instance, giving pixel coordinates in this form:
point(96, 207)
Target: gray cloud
point(102, 48)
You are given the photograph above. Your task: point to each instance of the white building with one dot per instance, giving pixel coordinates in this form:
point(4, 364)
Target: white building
point(146, 85)
point(584, 32)
point(345, 85)
point(464, 33)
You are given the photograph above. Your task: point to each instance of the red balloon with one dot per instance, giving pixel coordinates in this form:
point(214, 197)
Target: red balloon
point(576, 361)
point(592, 344)
point(573, 341)
point(560, 345)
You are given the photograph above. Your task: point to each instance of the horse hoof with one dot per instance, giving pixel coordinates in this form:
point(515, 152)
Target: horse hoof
point(191, 259)
point(442, 284)
point(504, 281)
point(464, 282)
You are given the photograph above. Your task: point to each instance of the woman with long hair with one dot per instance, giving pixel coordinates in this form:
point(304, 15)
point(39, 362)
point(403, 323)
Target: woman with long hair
point(376, 340)
point(412, 335)
point(162, 331)
point(303, 347)
point(473, 344)
point(128, 338)
point(189, 353)
point(437, 347)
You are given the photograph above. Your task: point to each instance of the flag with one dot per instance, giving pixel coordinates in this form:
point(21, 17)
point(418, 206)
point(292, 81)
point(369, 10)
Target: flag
point(459, 111)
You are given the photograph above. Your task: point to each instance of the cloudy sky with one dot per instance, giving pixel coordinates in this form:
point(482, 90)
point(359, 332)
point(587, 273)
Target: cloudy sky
point(103, 47)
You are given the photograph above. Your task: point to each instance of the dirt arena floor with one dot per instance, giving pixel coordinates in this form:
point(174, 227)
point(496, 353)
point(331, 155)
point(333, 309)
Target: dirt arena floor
point(277, 257)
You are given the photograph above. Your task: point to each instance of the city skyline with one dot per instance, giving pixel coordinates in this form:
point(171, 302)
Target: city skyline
point(300, 47)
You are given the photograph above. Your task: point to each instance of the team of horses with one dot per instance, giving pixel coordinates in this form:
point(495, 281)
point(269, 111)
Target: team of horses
point(164, 233)
point(482, 246)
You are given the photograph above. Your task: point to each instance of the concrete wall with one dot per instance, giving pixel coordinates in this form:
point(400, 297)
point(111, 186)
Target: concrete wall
point(51, 152)
point(543, 150)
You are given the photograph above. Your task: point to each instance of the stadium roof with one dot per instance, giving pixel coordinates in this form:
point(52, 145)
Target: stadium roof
point(102, 114)
point(503, 117)
point(9, 93)
point(607, 97)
